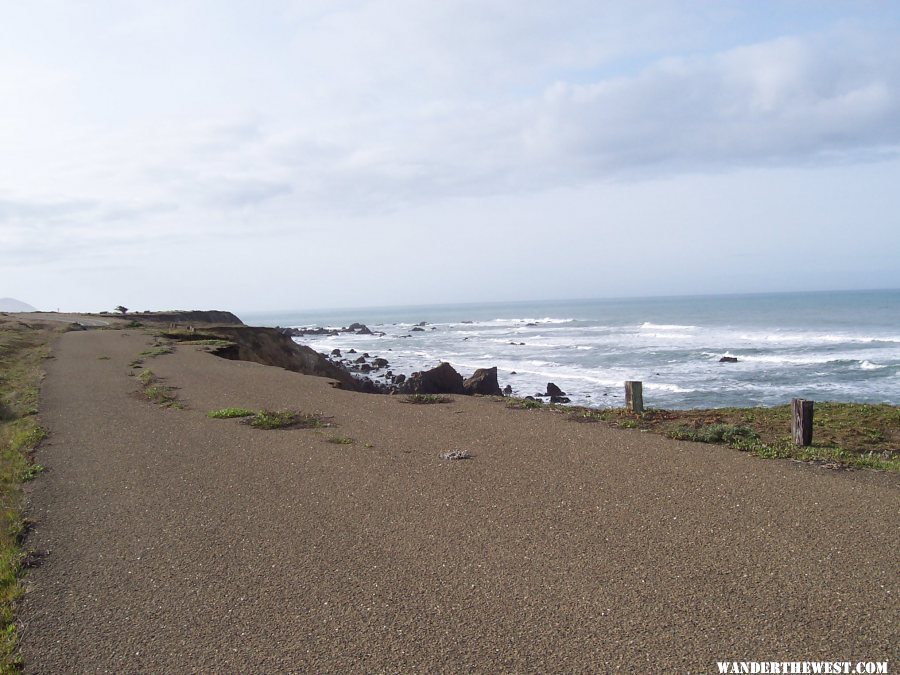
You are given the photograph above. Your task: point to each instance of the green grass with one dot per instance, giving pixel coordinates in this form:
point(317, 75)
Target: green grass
point(213, 343)
point(158, 350)
point(427, 398)
point(196, 338)
point(146, 377)
point(857, 435)
point(523, 403)
point(229, 413)
point(22, 351)
point(161, 395)
point(729, 434)
point(340, 440)
point(286, 419)
point(156, 392)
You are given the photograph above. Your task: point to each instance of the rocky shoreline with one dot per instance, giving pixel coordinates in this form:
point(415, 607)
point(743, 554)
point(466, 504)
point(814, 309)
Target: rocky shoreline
point(375, 374)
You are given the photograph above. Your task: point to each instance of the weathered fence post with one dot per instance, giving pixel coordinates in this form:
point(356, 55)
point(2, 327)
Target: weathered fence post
point(634, 396)
point(802, 421)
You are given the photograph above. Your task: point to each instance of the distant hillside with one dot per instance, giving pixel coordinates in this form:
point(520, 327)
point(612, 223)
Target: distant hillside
point(13, 305)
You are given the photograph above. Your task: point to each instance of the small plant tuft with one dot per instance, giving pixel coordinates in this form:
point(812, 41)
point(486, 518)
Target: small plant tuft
point(454, 455)
point(427, 398)
point(229, 413)
point(340, 440)
point(286, 419)
point(524, 404)
point(161, 396)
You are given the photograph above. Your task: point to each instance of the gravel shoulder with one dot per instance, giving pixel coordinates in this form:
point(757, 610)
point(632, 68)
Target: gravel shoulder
point(181, 543)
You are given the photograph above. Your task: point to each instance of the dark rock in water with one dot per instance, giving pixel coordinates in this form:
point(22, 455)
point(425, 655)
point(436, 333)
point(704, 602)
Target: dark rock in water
point(467, 322)
point(299, 332)
point(366, 354)
point(507, 390)
point(442, 379)
point(512, 372)
point(351, 351)
point(361, 359)
point(360, 328)
point(553, 390)
point(728, 359)
point(400, 379)
point(380, 363)
point(483, 381)
point(336, 352)
point(531, 324)
point(389, 373)
point(422, 323)
point(418, 330)
point(559, 399)
point(365, 368)
point(434, 328)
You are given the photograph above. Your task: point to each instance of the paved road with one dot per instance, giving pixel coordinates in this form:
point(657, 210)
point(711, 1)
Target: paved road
point(183, 544)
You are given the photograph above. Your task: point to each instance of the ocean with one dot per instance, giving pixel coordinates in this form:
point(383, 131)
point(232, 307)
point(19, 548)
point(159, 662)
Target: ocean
point(824, 346)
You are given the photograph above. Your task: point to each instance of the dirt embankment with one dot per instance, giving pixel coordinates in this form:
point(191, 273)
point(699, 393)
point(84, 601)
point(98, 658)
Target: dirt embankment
point(270, 347)
point(194, 316)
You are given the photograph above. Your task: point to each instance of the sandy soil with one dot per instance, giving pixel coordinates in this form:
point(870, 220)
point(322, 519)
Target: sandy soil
point(180, 543)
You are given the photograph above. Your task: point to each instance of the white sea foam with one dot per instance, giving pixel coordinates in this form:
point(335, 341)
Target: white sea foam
point(665, 326)
point(672, 388)
point(678, 362)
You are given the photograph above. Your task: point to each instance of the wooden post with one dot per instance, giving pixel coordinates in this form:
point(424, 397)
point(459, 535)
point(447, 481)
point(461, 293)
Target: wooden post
point(802, 421)
point(634, 396)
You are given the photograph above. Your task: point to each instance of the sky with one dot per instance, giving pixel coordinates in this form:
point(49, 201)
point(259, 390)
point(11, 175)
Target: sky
point(288, 154)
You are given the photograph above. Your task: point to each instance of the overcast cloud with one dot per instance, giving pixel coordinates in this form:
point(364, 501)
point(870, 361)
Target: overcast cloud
point(147, 146)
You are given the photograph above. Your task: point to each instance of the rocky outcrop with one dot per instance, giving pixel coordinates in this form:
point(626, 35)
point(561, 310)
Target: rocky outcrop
point(442, 379)
point(553, 390)
point(728, 359)
point(484, 382)
point(356, 328)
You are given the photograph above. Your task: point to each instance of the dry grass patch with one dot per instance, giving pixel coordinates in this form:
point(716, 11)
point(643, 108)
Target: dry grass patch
point(23, 348)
